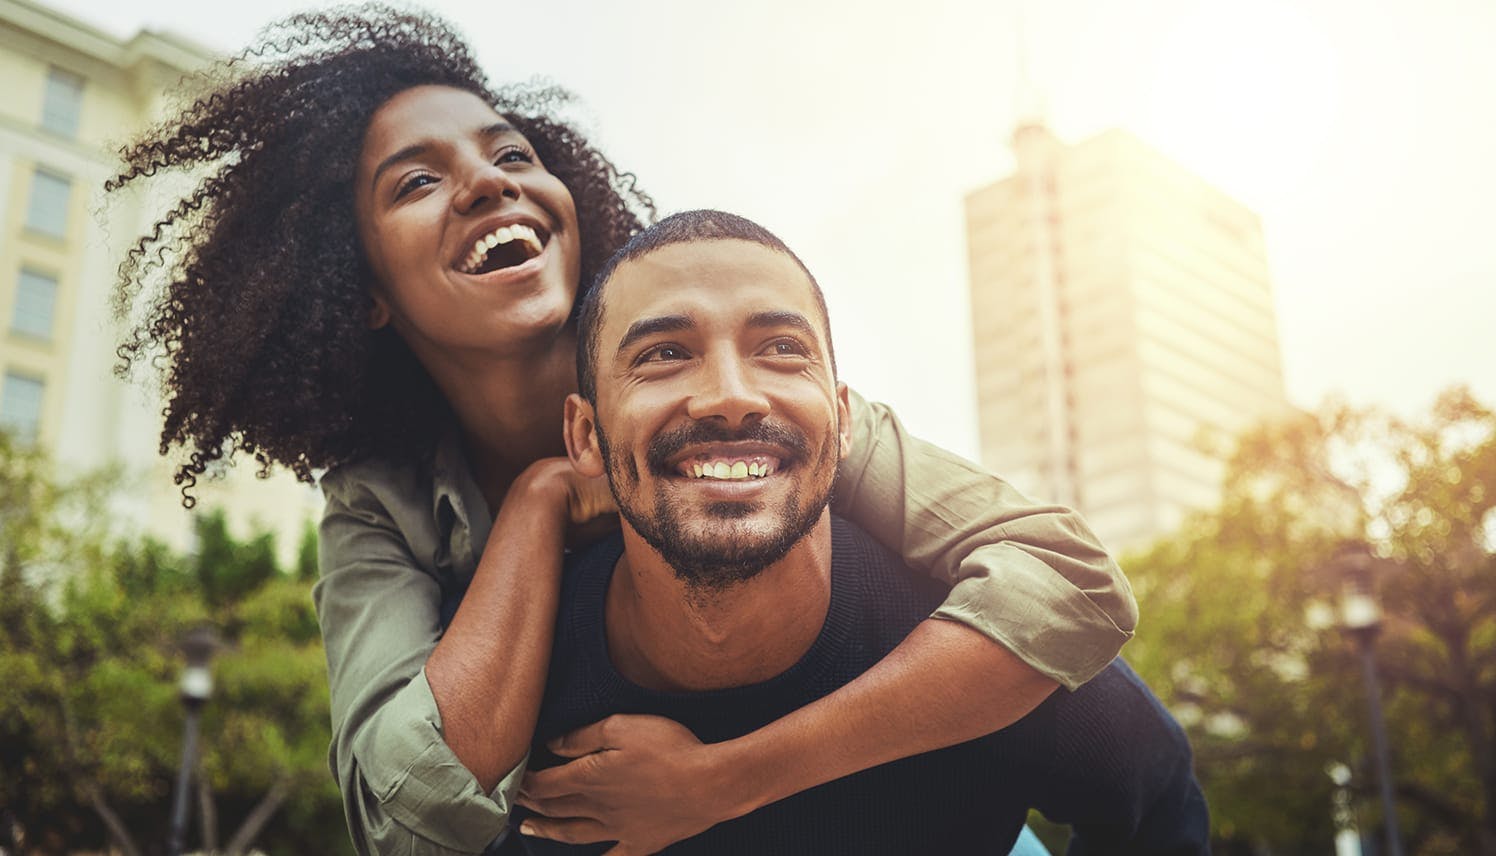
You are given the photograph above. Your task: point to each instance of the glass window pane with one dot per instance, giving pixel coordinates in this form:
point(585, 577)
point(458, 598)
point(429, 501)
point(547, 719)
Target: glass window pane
point(21, 405)
point(48, 210)
point(36, 297)
point(63, 102)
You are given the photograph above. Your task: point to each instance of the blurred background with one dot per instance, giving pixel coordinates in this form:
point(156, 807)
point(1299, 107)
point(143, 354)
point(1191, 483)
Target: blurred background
point(1218, 274)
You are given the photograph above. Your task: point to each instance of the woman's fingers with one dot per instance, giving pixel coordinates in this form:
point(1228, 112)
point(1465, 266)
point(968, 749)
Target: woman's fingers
point(567, 830)
point(567, 805)
point(568, 779)
point(596, 737)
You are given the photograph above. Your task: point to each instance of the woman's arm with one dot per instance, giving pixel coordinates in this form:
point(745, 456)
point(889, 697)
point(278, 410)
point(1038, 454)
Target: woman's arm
point(429, 729)
point(1031, 577)
point(647, 782)
point(1035, 601)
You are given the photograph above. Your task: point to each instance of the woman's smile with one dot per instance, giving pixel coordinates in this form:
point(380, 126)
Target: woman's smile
point(505, 246)
point(446, 182)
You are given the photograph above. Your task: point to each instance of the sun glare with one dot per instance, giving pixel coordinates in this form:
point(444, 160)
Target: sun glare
point(1245, 94)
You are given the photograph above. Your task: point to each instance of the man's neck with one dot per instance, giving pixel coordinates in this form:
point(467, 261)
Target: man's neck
point(666, 635)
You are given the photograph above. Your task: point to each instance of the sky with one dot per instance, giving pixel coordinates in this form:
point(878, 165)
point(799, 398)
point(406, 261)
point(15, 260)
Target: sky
point(1364, 136)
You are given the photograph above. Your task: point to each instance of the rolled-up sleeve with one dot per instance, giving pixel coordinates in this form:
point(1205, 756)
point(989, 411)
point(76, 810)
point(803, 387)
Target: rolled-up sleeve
point(1032, 577)
point(404, 791)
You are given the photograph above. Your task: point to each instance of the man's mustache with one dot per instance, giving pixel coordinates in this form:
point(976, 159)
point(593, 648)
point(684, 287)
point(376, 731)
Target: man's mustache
point(670, 443)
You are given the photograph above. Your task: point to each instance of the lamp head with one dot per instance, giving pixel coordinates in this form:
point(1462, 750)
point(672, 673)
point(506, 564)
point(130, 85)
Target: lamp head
point(198, 646)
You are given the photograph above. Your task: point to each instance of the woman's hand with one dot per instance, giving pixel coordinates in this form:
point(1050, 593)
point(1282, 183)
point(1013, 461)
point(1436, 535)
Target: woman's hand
point(587, 501)
point(643, 781)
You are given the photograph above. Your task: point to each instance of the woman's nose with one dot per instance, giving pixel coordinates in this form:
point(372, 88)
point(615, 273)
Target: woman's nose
point(486, 184)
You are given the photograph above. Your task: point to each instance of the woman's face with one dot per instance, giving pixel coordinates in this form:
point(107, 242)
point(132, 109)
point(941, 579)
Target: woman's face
point(472, 242)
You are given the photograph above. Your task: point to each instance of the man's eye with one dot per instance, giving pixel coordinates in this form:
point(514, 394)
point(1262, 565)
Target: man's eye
point(786, 348)
point(414, 182)
point(664, 354)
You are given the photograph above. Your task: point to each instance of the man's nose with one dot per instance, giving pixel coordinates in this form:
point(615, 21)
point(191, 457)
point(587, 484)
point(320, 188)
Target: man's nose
point(485, 184)
point(727, 391)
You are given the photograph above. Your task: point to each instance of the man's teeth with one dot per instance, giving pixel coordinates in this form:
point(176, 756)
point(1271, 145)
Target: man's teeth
point(502, 235)
point(733, 470)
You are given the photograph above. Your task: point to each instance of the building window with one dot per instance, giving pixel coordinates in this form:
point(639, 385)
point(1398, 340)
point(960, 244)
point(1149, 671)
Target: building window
point(21, 406)
point(63, 102)
point(48, 210)
point(36, 297)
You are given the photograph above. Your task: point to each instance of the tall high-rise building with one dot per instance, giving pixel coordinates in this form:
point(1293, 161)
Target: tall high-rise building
point(1122, 311)
point(73, 94)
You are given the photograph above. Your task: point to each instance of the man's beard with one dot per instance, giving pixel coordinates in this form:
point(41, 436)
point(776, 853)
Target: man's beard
point(709, 565)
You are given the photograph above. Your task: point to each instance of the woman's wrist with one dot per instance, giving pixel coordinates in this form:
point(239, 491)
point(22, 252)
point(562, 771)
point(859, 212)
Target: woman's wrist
point(746, 773)
point(542, 490)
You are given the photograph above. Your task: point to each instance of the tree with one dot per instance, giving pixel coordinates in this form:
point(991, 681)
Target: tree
point(1237, 630)
point(89, 717)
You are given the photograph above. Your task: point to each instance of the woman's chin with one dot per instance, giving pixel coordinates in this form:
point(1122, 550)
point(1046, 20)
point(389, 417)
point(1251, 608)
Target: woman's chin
point(531, 332)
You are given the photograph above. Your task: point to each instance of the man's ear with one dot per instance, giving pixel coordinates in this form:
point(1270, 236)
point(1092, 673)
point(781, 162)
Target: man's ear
point(581, 436)
point(843, 420)
point(379, 312)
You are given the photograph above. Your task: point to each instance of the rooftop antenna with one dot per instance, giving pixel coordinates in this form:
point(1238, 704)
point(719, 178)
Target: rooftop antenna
point(1028, 100)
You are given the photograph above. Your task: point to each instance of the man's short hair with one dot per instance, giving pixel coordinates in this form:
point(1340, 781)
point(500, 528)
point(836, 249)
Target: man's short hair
point(683, 228)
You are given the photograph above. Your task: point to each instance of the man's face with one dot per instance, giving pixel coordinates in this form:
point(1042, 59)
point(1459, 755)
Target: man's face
point(718, 420)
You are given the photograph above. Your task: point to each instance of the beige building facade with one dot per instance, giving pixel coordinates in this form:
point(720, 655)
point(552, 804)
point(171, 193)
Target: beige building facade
point(73, 94)
point(1122, 313)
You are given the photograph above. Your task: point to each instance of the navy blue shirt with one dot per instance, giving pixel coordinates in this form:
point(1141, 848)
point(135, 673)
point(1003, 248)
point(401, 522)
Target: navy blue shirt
point(1106, 759)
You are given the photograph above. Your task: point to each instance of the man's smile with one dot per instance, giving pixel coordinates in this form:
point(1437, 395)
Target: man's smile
point(730, 468)
point(731, 461)
point(710, 451)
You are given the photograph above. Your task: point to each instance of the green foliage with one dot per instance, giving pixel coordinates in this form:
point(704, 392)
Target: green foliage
point(1238, 635)
point(306, 554)
point(89, 663)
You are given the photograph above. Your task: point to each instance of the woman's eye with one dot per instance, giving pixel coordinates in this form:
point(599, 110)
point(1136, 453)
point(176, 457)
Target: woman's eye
point(514, 154)
point(414, 182)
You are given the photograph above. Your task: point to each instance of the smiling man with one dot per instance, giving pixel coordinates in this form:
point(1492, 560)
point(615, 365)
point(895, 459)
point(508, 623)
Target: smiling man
point(709, 397)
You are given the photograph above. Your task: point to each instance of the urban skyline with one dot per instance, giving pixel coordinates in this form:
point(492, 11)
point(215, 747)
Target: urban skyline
point(1122, 315)
point(1371, 175)
point(73, 91)
point(811, 172)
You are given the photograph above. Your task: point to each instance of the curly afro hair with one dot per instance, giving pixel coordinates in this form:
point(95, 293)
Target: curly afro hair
point(251, 292)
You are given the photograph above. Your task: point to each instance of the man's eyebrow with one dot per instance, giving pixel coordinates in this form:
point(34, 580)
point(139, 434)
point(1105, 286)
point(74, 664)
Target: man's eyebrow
point(650, 326)
point(782, 319)
point(416, 150)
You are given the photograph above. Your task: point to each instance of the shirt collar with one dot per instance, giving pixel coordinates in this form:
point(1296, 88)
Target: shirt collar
point(462, 514)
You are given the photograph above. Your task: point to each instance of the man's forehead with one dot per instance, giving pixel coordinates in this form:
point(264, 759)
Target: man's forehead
point(716, 278)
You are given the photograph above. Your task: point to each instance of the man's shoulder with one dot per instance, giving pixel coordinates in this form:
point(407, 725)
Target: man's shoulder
point(584, 564)
point(879, 569)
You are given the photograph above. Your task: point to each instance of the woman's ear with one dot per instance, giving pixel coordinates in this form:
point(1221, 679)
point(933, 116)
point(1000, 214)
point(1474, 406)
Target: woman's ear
point(379, 312)
point(581, 437)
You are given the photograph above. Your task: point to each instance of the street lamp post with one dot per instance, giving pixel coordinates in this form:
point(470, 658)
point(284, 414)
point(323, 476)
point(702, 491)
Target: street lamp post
point(1361, 617)
point(1347, 836)
point(196, 686)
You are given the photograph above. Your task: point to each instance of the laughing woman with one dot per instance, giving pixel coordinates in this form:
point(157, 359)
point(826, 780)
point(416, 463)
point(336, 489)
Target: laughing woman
point(374, 276)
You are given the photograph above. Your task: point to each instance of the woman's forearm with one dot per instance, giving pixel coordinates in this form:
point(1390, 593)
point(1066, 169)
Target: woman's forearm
point(488, 671)
point(944, 684)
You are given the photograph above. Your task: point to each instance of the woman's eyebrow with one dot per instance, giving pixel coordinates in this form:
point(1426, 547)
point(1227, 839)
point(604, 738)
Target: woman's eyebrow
point(415, 150)
point(495, 130)
point(407, 153)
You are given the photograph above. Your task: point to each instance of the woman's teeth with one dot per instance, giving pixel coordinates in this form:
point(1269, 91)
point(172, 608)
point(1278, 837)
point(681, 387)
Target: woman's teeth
point(730, 470)
point(529, 241)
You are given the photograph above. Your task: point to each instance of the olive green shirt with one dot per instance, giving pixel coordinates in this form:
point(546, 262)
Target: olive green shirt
point(395, 537)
